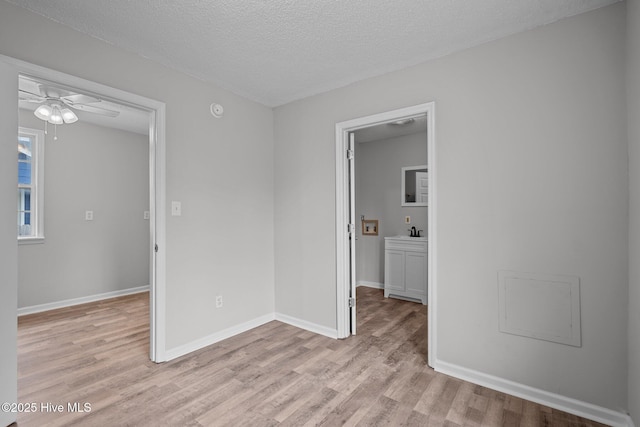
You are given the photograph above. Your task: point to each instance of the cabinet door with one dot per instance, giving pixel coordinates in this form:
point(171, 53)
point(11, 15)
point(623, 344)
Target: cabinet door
point(394, 270)
point(416, 273)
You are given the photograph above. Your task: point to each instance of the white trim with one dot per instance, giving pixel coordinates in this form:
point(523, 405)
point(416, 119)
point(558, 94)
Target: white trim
point(82, 300)
point(157, 145)
point(368, 284)
point(432, 264)
point(563, 403)
point(308, 326)
point(352, 295)
point(342, 209)
point(244, 327)
point(30, 240)
point(157, 224)
point(217, 337)
point(37, 202)
point(342, 240)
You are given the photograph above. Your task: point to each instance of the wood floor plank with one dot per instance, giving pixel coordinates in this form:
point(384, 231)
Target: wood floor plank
point(383, 412)
point(316, 408)
point(273, 375)
point(461, 402)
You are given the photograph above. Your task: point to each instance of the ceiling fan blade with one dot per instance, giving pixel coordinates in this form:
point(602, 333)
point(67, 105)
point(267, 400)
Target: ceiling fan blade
point(80, 98)
point(31, 97)
point(91, 109)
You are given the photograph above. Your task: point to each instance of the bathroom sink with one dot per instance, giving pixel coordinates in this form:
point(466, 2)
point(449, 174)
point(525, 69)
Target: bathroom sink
point(409, 237)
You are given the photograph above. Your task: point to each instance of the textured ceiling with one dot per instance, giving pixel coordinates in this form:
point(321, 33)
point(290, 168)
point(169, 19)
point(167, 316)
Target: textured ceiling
point(277, 51)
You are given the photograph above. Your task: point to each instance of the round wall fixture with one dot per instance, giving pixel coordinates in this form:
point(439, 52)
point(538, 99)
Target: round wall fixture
point(216, 110)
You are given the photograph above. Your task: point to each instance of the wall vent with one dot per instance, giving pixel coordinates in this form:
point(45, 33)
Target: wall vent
point(540, 306)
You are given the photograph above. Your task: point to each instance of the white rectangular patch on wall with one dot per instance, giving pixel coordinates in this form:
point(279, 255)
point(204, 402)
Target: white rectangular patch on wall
point(545, 307)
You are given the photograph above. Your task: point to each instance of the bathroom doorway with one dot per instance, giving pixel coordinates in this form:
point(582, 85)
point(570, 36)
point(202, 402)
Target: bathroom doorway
point(390, 159)
point(349, 220)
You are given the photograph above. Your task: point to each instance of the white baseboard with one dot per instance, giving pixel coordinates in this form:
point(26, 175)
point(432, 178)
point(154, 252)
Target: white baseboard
point(311, 327)
point(82, 300)
point(368, 284)
point(243, 327)
point(218, 336)
point(563, 403)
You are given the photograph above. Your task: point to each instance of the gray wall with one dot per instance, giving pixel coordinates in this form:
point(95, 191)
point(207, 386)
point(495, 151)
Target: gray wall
point(633, 103)
point(532, 159)
point(227, 218)
point(8, 244)
point(93, 168)
point(378, 196)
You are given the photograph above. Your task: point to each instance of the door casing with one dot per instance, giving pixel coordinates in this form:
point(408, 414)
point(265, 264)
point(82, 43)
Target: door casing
point(157, 184)
point(343, 208)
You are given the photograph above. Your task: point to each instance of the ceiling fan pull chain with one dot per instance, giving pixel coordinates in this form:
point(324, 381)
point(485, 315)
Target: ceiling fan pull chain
point(55, 132)
point(45, 128)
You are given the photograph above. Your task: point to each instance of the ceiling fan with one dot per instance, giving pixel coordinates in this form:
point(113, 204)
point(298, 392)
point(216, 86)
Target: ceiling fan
point(77, 101)
point(56, 103)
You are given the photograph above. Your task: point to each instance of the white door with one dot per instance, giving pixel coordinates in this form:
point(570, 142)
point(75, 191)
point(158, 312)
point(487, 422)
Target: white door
point(422, 187)
point(8, 240)
point(352, 232)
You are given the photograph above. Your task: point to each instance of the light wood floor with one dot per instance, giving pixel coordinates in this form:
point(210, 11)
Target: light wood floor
point(275, 374)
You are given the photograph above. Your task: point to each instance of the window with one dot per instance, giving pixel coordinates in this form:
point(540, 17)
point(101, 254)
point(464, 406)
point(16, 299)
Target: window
point(30, 185)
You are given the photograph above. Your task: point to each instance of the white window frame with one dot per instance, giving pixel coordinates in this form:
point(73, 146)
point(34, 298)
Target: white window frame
point(37, 186)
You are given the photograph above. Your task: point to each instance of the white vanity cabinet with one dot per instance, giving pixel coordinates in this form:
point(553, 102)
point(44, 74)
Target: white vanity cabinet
point(405, 267)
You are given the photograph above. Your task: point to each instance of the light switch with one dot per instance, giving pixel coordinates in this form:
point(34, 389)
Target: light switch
point(176, 208)
point(88, 216)
point(407, 220)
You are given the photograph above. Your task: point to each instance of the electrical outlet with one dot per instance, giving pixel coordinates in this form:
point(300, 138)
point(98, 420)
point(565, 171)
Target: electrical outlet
point(407, 220)
point(219, 301)
point(146, 215)
point(88, 215)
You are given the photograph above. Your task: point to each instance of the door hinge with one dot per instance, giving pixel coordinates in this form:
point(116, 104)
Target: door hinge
point(352, 302)
point(350, 228)
point(155, 247)
point(349, 154)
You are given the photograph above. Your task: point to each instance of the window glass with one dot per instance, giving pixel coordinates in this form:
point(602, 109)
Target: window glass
point(24, 212)
point(29, 196)
point(25, 145)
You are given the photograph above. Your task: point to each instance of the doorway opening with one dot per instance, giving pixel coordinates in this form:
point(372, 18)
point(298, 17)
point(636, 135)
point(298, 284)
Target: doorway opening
point(154, 111)
point(346, 221)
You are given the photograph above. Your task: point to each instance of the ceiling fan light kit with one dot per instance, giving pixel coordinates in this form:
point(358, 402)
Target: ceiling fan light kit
point(55, 115)
point(56, 103)
point(68, 116)
point(43, 112)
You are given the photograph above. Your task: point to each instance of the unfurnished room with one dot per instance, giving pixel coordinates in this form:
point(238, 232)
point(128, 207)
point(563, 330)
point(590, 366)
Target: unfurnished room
point(276, 213)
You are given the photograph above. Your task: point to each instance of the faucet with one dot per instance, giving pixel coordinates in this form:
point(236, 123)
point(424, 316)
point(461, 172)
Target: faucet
point(413, 232)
